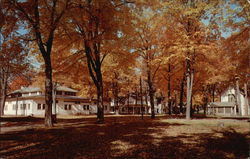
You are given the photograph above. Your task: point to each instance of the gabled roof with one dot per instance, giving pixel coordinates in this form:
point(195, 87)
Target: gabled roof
point(26, 90)
point(36, 89)
point(66, 89)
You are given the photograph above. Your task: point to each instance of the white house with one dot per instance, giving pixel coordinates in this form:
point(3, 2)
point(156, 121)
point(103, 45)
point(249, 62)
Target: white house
point(228, 104)
point(132, 105)
point(31, 101)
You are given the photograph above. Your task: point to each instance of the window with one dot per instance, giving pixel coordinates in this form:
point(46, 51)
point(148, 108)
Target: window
point(43, 106)
point(58, 92)
point(70, 93)
point(21, 106)
point(39, 107)
point(24, 106)
point(85, 107)
point(231, 98)
point(67, 107)
point(28, 106)
point(33, 93)
point(13, 107)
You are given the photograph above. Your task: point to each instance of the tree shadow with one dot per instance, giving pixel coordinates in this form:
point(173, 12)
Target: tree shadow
point(121, 137)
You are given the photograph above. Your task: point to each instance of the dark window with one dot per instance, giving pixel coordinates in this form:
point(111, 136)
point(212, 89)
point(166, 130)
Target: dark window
point(69, 107)
point(65, 107)
point(77, 102)
point(43, 106)
point(39, 106)
point(59, 92)
point(85, 107)
point(70, 93)
point(24, 106)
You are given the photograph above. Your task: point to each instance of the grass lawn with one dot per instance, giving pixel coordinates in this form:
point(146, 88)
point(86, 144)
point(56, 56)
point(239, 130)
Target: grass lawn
point(125, 137)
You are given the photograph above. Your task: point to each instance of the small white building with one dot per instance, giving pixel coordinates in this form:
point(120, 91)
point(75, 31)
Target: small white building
point(228, 104)
point(31, 101)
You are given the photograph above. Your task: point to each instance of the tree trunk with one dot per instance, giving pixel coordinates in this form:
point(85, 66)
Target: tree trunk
point(4, 79)
point(181, 94)
point(48, 92)
point(54, 103)
point(141, 99)
point(100, 112)
point(169, 92)
point(151, 96)
point(246, 100)
point(213, 91)
point(238, 96)
point(94, 67)
point(146, 99)
point(128, 104)
point(189, 94)
point(151, 92)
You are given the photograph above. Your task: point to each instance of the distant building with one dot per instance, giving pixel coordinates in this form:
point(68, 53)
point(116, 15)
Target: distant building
point(228, 104)
point(133, 105)
point(31, 101)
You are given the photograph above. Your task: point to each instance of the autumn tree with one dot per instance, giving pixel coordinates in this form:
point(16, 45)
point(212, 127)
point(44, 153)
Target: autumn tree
point(237, 21)
point(92, 24)
point(42, 18)
point(12, 52)
point(192, 42)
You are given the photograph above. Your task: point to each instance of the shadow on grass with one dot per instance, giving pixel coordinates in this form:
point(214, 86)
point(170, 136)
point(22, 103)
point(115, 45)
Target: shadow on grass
point(120, 137)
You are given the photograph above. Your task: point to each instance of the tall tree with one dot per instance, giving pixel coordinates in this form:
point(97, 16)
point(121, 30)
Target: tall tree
point(148, 48)
point(42, 19)
point(192, 42)
point(92, 24)
point(13, 61)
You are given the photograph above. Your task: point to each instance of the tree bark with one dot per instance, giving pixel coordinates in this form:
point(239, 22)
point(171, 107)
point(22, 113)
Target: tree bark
point(141, 98)
point(151, 94)
point(3, 91)
point(182, 93)
point(94, 67)
point(238, 95)
point(169, 92)
point(213, 92)
point(54, 103)
point(100, 112)
point(189, 94)
point(4, 79)
point(48, 92)
point(246, 100)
